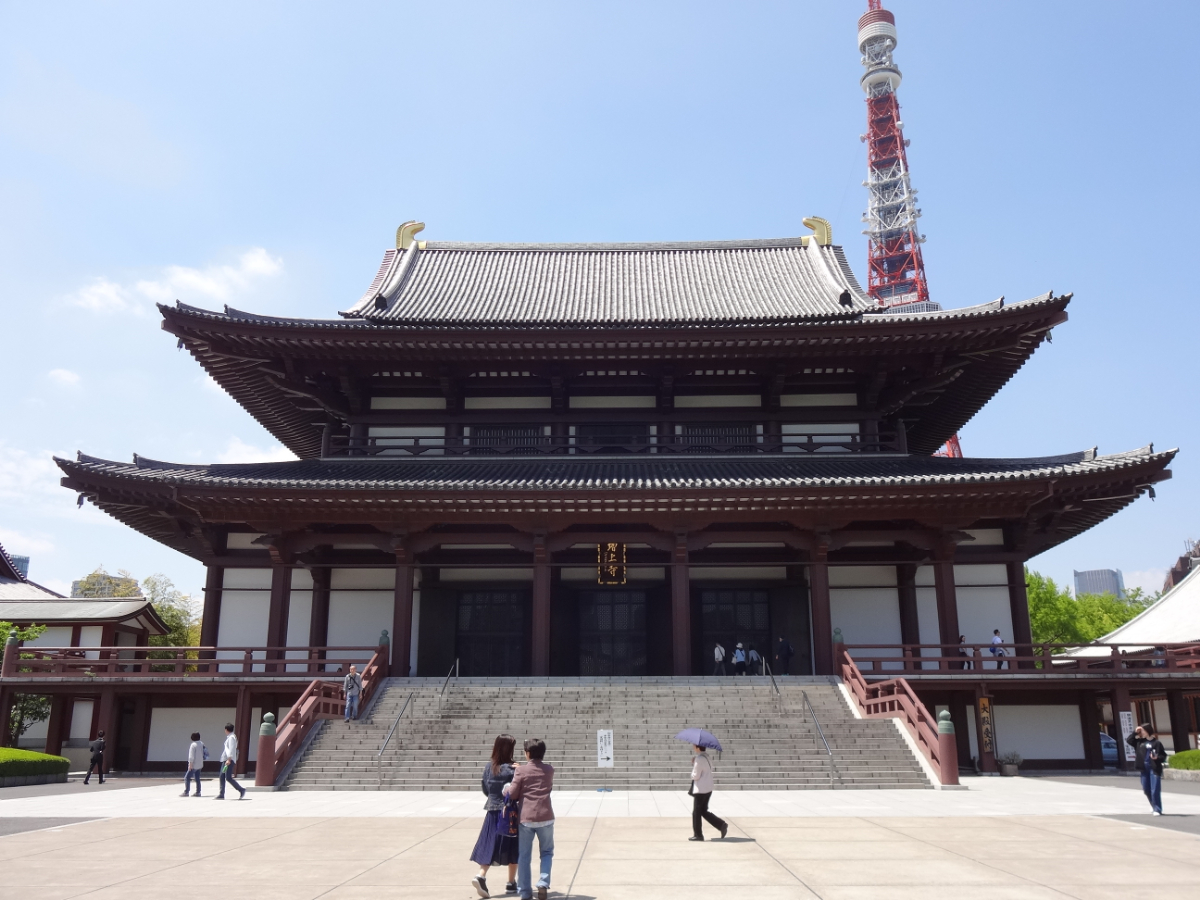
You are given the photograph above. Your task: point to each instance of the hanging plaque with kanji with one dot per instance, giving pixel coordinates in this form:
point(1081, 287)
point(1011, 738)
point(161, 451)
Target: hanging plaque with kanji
point(610, 564)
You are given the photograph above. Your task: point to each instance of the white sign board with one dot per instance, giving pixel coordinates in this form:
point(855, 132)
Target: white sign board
point(1126, 730)
point(604, 748)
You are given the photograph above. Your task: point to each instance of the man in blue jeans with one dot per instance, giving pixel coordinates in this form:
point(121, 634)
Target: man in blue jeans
point(1151, 755)
point(352, 685)
point(532, 785)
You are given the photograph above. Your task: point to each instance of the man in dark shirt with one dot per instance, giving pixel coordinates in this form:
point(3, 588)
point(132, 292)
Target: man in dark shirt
point(1151, 755)
point(783, 656)
point(97, 763)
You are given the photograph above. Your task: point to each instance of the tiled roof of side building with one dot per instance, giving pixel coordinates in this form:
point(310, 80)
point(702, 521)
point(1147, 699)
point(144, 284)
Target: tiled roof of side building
point(608, 473)
point(613, 284)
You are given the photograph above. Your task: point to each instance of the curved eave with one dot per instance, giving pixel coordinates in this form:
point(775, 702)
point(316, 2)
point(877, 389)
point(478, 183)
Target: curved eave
point(1056, 498)
point(244, 353)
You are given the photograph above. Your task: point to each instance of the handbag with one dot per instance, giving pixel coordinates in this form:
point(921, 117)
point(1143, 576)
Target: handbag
point(510, 817)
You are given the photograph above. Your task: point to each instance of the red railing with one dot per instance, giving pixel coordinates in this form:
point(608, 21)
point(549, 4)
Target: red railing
point(973, 660)
point(320, 700)
point(131, 663)
point(894, 699)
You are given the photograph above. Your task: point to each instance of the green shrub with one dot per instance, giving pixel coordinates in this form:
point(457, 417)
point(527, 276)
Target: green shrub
point(28, 762)
point(1186, 759)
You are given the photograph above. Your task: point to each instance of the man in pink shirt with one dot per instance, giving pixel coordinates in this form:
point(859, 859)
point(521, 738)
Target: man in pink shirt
point(532, 786)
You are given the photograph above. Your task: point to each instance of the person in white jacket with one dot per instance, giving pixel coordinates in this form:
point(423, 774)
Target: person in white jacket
point(228, 760)
point(195, 765)
point(702, 788)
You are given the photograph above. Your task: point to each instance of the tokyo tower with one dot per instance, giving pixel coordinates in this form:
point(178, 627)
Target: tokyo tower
point(895, 270)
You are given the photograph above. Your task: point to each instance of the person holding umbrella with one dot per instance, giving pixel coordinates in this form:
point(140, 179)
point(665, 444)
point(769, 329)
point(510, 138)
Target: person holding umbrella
point(702, 781)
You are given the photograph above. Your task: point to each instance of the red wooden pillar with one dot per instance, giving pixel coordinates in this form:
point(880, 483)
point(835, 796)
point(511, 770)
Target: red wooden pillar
point(822, 617)
point(947, 599)
point(7, 698)
point(241, 725)
point(402, 611)
point(106, 721)
point(277, 617)
point(1120, 701)
point(910, 624)
point(1018, 601)
point(681, 607)
point(1181, 724)
point(540, 661)
point(60, 711)
point(210, 625)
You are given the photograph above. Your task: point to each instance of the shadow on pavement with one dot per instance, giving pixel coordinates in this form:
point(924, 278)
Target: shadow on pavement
point(1189, 824)
point(18, 824)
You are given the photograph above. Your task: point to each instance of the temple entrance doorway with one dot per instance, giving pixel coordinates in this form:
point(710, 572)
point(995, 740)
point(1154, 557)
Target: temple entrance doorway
point(732, 615)
point(492, 633)
point(612, 632)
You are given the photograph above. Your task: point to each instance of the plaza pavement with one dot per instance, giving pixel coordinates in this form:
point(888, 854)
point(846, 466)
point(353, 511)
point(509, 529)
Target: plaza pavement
point(1002, 838)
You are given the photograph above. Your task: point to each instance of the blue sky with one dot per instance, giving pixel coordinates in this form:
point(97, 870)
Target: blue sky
point(263, 154)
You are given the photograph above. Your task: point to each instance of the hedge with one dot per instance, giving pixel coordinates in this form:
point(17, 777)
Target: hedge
point(1185, 759)
point(29, 762)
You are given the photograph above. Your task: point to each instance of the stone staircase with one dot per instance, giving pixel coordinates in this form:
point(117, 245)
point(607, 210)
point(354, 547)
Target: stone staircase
point(770, 742)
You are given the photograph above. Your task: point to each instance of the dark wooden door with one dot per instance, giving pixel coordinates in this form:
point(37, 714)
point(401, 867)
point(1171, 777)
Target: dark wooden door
point(612, 632)
point(732, 615)
point(492, 634)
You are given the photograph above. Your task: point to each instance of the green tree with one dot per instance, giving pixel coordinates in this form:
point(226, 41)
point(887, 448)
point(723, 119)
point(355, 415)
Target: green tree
point(27, 709)
point(99, 584)
point(1057, 617)
point(177, 609)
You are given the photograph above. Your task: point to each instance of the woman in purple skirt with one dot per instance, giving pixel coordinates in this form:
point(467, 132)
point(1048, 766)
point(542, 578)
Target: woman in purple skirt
point(498, 843)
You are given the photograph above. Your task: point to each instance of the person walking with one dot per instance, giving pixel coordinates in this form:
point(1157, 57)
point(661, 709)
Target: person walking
point(195, 764)
point(499, 838)
point(739, 659)
point(1151, 755)
point(97, 748)
point(229, 755)
point(701, 791)
point(719, 659)
point(754, 661)
point(784, 651)
point(965, 652)
point(352, 686)
point(997, 650)
point(531, 785)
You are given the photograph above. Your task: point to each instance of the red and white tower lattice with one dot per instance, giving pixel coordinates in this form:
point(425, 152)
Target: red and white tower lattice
point(895, 270)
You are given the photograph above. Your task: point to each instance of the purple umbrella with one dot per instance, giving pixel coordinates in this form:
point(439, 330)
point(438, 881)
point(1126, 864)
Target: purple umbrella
point(699, 738)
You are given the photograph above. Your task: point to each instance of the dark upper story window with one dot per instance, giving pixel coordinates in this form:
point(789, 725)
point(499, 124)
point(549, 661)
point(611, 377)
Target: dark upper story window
point(612, 437)
point(507, 439)
point(727, 438)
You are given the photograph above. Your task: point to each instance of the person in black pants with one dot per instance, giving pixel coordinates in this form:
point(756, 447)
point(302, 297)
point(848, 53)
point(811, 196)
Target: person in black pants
point(97, 763)
point(783, 656)
point(701, 791)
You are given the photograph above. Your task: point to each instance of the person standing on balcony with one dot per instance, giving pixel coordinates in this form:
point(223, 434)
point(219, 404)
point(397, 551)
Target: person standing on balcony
point(531, 785)
point(352, 685)
point(783, 655)
point(499, 838)
point(97, 761)
point(719, 659)
point(1151, 756)
point(997, 649)
point(228, 761)
point(739, 659)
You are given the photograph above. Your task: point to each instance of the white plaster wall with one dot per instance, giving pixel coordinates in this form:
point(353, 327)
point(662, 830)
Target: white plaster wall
point(81, 720)
point(864, 604)
point(361, 602)
point(507, 574)
point(253, 579)
point(34, 737)
point(983, 603)
point(302, 580)
point(243, 623)
point(91, 636)
point(242, 540)
point(171, 731)
point(53, 636)
point(928, 627)
point(299, 622)
point(1038, 732)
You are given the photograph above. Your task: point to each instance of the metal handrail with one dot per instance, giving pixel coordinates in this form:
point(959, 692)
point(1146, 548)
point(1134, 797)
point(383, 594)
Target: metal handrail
point(767, 666)
point(821, 733)
point(386, 740)
point(453, 671)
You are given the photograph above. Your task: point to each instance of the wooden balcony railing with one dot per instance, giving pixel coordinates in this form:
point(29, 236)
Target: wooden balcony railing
point(139, 663)
point(718, 441)
point(896, 699)
point(973, 660)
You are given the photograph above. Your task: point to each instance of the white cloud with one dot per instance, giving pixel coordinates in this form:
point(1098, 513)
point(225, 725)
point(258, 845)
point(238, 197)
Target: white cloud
point(1149, 580)
point(238, 451)
point(217, 283)
point(28, 478)
point(24, 544)
point(64, 377)
point(210, 384)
